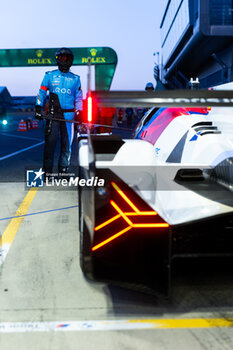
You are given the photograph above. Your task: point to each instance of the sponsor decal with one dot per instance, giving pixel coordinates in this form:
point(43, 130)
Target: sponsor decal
point(93, 52)
point(94, 59)
point(63, 90)
point(39, 53)
point(39, 59)
point(195, 137)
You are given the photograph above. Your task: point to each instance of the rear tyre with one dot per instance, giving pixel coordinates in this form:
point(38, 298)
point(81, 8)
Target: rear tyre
point(85, 244)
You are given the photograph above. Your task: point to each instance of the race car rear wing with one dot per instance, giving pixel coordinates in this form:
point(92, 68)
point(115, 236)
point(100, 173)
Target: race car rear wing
point(163, 98)
point(158, 98)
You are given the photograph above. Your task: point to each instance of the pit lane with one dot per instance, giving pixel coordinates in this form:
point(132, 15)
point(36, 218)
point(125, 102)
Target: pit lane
point(41, 284)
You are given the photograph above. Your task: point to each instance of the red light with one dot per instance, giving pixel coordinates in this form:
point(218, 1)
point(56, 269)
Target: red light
point(151, 225)
point(89, 109)
point(111, 238)
point(141, 213)
point(123, 195)
point(124, 216)
point(107, 222)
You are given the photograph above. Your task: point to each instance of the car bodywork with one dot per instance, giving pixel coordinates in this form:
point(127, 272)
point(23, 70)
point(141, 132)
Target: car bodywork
point(167, 194)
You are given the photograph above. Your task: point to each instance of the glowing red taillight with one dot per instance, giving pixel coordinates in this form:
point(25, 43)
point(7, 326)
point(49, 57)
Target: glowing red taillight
point(89, 109)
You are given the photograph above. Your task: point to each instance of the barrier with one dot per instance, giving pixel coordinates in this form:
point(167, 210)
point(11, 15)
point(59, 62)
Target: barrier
point(22, 125)
point(28, 124)
point(35, 124)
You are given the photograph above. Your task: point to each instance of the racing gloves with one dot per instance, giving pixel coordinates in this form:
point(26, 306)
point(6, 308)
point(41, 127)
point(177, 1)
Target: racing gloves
point(77, 118)
point(78, 115)
point(38, 113)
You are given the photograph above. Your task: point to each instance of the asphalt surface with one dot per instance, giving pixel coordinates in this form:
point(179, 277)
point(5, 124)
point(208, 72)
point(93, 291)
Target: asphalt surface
point(45, 301)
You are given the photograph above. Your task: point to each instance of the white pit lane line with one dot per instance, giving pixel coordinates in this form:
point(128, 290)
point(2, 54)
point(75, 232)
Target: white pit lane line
point(21, 151)
point(71, 326)
point(114, 325)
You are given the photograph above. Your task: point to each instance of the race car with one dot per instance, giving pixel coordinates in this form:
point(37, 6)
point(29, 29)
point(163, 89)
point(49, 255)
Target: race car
point(167, 193)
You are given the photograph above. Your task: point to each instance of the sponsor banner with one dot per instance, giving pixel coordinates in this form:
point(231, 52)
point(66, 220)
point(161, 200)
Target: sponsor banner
point(46, 56)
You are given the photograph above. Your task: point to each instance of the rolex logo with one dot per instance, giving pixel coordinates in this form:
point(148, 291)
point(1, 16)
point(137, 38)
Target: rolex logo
point(93, 52)
point(39, 53)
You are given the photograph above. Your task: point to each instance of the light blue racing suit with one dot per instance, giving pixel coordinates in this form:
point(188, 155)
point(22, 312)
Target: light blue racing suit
point(67, 87)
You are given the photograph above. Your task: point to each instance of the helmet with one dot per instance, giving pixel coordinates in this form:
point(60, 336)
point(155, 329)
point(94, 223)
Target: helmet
point(149, 86)
point(64, 58)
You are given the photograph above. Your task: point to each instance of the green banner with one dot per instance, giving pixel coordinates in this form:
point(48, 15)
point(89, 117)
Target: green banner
point(104, 58)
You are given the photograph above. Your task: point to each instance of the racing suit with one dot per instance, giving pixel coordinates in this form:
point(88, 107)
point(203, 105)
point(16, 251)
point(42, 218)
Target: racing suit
point(66, 87)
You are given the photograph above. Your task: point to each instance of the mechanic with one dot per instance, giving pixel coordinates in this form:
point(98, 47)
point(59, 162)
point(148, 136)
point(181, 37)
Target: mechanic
point(65, 102)
point(149, 87)
point(129, 115)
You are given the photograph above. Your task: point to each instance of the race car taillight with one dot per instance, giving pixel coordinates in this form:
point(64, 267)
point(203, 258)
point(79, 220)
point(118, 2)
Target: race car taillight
point(127, 216)
point(89, 109)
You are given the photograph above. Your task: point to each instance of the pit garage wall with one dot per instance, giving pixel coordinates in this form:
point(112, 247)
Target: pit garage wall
point(216, 73)
point(190, 33)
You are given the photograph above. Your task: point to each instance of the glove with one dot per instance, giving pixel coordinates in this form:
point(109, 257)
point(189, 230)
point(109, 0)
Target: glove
point(78, 118)
point(38, 113)
point(78, 115)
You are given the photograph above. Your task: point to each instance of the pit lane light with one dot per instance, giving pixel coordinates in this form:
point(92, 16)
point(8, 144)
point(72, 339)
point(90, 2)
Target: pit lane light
point(125, 216)
point(4, 122)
